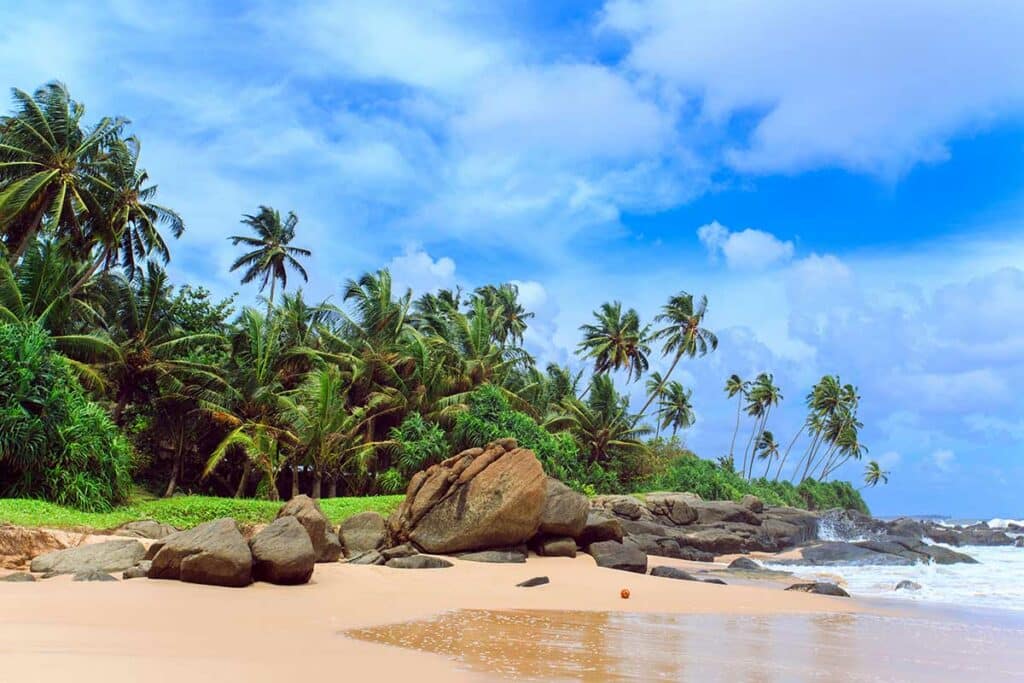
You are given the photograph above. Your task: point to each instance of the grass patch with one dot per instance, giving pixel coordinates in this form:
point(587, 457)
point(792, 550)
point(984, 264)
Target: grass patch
point(182, 512)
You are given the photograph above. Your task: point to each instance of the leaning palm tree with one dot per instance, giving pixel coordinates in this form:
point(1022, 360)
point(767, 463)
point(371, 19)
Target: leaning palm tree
point(675, 409)
point(616, 341)
point(264, 446)
point(735, 386)
point(272, 254)
point(603, 431)
point(683, 333)
point(762, 396)
point(502, 302)
point(874, 475)
point(767, 449)
point(655, 386)
point(49, 172)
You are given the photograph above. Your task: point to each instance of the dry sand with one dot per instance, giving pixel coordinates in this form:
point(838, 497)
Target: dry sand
point(142, 629)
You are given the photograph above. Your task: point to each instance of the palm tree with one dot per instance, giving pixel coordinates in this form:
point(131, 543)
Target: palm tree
point(735, 386)
point(502, 302)
point(601, 426)
point(616, 341)
point(767, 449)
point(127, 229)
point(874, 474)
point(379, 317)
point(272, 255)
point(262, 446)
point(656, 385)
point(683, 333)
point(675, 410)
point(49, 170)
point(762, 396)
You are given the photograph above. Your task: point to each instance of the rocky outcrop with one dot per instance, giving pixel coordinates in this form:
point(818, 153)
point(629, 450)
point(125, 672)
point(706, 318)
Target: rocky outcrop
point(565, 511)
point(18, 545)
point(213, 553)
point(308, 513)
point(282, 553)
point(370, 557)
point(671, 508)
point(745, 564)
point(555, 546)
point(481, 498)
point(145, 528)
point(889, 551)
point(622, 556)
point(820, 588)
point(363, 532)
point(600, 527)
point(110, 556)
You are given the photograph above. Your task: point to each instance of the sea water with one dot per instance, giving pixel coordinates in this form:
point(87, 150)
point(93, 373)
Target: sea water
point(997, 581)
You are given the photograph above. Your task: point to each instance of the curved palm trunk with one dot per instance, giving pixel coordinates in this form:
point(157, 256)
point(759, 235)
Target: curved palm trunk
point(760, 433)
point(788, 449)
point(295, 479)
point(89, 273)
point(172, 485)
point(30, 234)
point(318, 478)
point(270, 301)
point(661, 386)
point(243, 483)
point(332, 487)
point(739, 406)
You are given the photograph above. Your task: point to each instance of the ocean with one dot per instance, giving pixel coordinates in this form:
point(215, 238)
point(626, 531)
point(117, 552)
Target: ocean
point(994, 583)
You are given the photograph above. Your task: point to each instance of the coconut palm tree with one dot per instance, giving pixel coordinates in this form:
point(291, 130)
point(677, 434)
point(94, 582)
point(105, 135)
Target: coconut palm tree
point(675, 409)
point(762, 396)
point(264, 446)
point(616, 341)
point(272, 254)
point(502, 302)
point(601, 426)
point(656, 385)
point(736, 386)
point(49, 168)
point(874, 474)
point(683, 333)
point(767, 449)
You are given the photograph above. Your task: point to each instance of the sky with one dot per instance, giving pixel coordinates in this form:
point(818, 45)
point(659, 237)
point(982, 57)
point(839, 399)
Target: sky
point(844, 181)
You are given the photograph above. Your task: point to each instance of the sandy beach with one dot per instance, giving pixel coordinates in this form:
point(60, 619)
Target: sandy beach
point(342, 621)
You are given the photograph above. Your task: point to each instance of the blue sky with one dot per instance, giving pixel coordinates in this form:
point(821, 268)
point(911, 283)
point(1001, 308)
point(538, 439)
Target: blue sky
point(844, 182)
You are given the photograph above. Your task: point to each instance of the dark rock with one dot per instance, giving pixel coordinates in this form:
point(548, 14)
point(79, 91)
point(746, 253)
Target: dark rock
point(307, 511)
point(213, 553)
point(907, 585)
point(671, 508)
point(565, 511)
point(986, 537)
point(752, 503)
point(600, 527)
point(831, 553)
point(1019, 542)
point(535, 581)
point(139, 571)
point(146, 528)
point(624, 507)
point(621, 556)
point(474, 500)
point(715, 541)
point(641, 526)
point(404, 550)
point(109, 556)
point(418, 562)
point(714, 580)
point(695, 555)
point(820, 588)
point(370, 557)
point(362, 532)
point(556, 546)
point(93, 575)
point(660, 546)
point(19, 577)
point(499, 556)
point(789, 526)
point(711, 512)
point(673, 573)
point(282, 553)
point(745, 564)
point(904, 526)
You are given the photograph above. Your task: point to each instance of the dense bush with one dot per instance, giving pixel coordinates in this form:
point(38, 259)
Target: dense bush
point(55, 443)
point(713, 482)
point(418, 444)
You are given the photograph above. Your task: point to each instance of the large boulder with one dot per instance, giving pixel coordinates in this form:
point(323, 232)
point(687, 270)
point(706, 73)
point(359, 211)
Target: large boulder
point(622, 556)
point(752, 503)
point(600, 527)
point(671, 508)
point(565, 510)
point(555, 546)
point(110, 556)
point(307, 511)
point(789, 526)
point(282, 553)
point(820, 588)
point(623, 507)
point(832, 553)
point(481, 498)
point(363, 532)
point(213, 553)
point(714, 511)
point(18, 545)
point(145, 528)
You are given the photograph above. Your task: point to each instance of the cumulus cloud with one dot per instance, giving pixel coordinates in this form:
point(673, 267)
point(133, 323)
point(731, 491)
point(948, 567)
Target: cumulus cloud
point(417, 270)
point(744, 249)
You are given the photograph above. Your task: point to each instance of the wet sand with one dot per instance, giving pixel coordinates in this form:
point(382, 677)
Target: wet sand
point(164, 630)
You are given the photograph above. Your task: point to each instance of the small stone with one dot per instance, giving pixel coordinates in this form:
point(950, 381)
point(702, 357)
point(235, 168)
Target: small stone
point(673, 573)
point(369, 557)
point(418, 562)
point(139, 571)
point(746, 564)
point(19, 578)
point(535, 581)
point(504, 556)
point(404, 550)
point(93, 575)
point(714, 580)
point(820, 588)
point(907, 585)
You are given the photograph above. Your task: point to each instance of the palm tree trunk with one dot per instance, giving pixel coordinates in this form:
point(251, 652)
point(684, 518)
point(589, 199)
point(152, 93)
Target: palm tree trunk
point(656, 392)
point(122, 403)
point(16, 255)
point(788, 449)
point(270, 301)
point(243, 483)
point(760, 432)
point(318, 478)
point(176, 468)
point(89, 273)
point(739, 405)
point(295, 479)
point(332, 486)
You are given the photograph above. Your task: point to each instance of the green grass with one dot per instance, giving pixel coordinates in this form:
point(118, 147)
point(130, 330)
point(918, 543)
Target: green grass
point(182, 512)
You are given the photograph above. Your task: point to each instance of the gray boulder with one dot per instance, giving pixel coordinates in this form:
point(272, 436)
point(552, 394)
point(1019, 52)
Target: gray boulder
point(714, 511)
point(362, 532)
point(282, 553)
point(624, 507)
point(555, 546)
point(19, 577)
point(833, 553)
point(307, 511)
point(745, 564)
point(109, 556)
point(139, 571)
point(673, 573)
point(819, 588)
point(404, 550)
point(145, 528)
point(369, 557)
point(213, 553)
point(752, 503)
point(535, 581)
point(907, 585)
point(565, 511)
point(418, 562)
point(497, 556)
point(671, 508)
point(622, 556)
point(600, 527)
point(93, 575)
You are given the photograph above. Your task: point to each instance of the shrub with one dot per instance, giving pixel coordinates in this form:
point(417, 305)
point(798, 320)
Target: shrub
point(418, 444)
point(55, 443)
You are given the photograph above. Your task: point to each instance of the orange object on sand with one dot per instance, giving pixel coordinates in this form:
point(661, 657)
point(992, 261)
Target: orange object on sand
point(625, 594)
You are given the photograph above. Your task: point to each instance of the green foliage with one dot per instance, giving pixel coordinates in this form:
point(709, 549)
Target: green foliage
point(55, 443)
point(418, 444)
point(182, 512)
point(711, 481)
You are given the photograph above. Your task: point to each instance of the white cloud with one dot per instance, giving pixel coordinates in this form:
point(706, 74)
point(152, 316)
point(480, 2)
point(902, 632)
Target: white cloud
point(889, 460)
point(532, 294)
point(744, 249)
point(871, 86)
point(944, 460)
point(417, 270)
